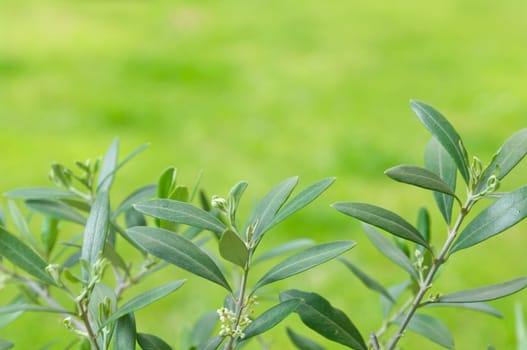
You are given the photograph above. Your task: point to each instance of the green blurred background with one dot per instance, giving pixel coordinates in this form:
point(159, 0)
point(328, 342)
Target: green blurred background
point(260, 91)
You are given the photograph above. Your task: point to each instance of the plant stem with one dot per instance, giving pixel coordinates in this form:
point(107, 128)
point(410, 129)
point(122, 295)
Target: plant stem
point(83, 314)
point(240, 305)
point(424, 287)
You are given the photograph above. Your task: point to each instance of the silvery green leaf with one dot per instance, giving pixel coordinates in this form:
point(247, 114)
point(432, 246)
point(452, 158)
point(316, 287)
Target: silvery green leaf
point(23, 257)
point(39, 193)
point(55, 209)
point(319, 315)
point(138, 195)
point(284, 248)
point(368, 281)
point(22, 226)
point(304, 260)
point(15, 308)
point(390, 250)
point(266, 210)
point(439, 162)
point(445, 133)
point(301, 342)
point(270, 318)
point(182, 213)
point(381, 218)
point(431, 328)
point(507, 211)
point(178, 251)
point(481, 307)
point(96, 230)
point(106, 175)
point(420, 177)
point(486, 293)
point(521, 327)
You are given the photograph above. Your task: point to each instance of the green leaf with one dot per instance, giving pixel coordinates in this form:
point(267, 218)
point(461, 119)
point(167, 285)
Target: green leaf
point(138, 195)
point(304, 260)
point(423, 224)
point(486, 293)
point(438, 161)
point(396, 292)
point(107, 173)
point(15, 308)
point(383, 219)
point(284, 249)
point(203, 329)
point(509, 155)
point(270, 318)
point(22, 226)
point(521, 328)
point(125, 333)
point(102, 303)
point(145, 299)
point(134, 218)
point(55, 209)
point(96, 230)
point(390, 250)
point(318, 314)
point(3, 221)
point(268, 207)
point(430, 328)
point(445, 133)
point(166, 182)
point(178, 251)
point(233, 249)
point(302, 199)
point(5, 345)
point(481, 307)
point(182, 213)
point(420, 177)
point(49, 233)
point(23, 257)
point(499, 216)
point(7, 318)
point(211, 344)
point(301, 342)
point(151, 342)
point(367, 280)
point(38, 193)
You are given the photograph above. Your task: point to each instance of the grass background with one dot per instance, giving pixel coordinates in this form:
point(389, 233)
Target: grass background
point(261, 91)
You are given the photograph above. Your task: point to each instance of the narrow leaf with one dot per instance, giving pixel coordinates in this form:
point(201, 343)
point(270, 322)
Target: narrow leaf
point(481, 307)
point(499, 216)
point(445, 133)
point(166, 182)
point(233, 249)
point(367, 280)
point(179, 251)
point(145, 299)
point(151, 342)
point(203, 329)
point(318, 314)
point(7, 318)
point(420, 177)
point(423, 224)
point(304, 260)
point(439, 162)
point(510, 154)
point(96, 230)
point(125, 333)
point(269, 206)
point(182, 213)
point(55, 209)
point(390, 250)
point(383, 219)
point(302, 199)
point(270, 318)
point(31, 307)
point(24, 257)
point(521, 328)
point(22, 226)
point(396, 292)
point(486, 293)
point(301, 342)
point(430, 328)
point(49, 233)
point(106, 175)
point(138, 195)
point(212, 344)
point(284, 249)
point(38, 193)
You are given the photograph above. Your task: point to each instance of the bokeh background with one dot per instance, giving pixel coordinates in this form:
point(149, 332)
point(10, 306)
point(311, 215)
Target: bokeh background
point(260, 91)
